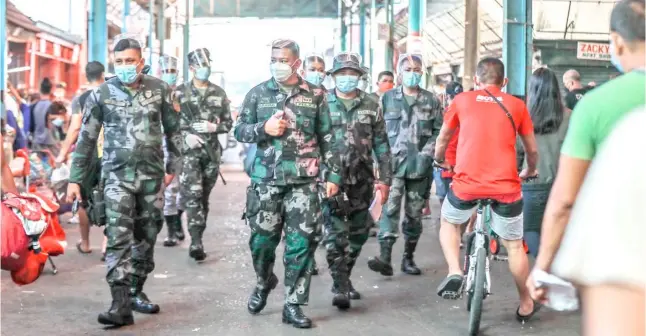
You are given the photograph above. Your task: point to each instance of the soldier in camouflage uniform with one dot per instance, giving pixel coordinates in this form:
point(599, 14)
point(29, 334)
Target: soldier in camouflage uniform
point(358, 129)
point(204, 110)
point(172, 207)
point(413, 121)
point(289, 120)
point(132, 108)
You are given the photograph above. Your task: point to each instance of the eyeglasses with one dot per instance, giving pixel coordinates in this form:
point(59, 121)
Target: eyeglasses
point(348, 57)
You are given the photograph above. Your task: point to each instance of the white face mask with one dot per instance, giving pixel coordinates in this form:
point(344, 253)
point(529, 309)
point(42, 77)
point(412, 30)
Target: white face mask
point(58, 122)
point(280, 71)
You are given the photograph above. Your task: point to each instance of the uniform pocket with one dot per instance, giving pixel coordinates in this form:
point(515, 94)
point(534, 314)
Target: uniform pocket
point(393, 122)
point(253, 203)
point(305, 121)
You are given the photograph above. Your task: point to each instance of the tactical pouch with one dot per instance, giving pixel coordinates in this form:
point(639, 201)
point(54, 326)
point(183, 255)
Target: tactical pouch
point(252, 206)
point(339, 206)
point(96, 206)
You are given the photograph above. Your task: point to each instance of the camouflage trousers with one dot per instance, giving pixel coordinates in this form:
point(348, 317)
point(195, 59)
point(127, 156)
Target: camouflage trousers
point(294, 209)
point(197, 179)
point(171, 198)
point(414, 194)
point(133, 211)
point(346, 231)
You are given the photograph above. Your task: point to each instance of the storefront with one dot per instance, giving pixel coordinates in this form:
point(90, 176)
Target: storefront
point(21, 31)
point(55, 55)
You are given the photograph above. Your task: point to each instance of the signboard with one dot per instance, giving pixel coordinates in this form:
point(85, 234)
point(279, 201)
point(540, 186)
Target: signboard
point(383, 32)
point(266, 8)
point(414, 45)
point(593, 51)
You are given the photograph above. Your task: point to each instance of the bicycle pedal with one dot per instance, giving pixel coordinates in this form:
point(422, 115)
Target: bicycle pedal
point(451, 295)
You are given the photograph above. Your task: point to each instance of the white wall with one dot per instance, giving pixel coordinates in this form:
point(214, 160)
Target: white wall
point(56, 13)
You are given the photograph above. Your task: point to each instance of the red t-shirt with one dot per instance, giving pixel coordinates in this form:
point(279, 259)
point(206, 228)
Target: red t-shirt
point(486, 150)
point(451, 149)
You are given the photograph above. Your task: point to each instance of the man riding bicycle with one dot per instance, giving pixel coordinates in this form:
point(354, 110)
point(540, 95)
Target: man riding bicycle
point(486, 168)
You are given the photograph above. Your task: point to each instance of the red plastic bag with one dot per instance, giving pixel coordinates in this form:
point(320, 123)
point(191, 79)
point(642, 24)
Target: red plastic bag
point(31, 270)
point(14, 242)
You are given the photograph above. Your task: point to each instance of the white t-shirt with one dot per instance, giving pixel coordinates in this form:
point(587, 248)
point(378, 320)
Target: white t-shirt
point(604, 240)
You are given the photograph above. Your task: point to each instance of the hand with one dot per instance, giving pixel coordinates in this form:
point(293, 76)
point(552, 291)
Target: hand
point(276, 126)
point(204, 127)
point(444, 165)
point(73, 192)
point(331, 189)
point(526, 174)
point(538, 294)
point(384, 190)
point(176, 106)
point(193, 141)
point(60, 159)
point(168, 179)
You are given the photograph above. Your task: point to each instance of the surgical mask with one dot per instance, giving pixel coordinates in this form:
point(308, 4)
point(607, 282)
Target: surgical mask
point(127, 74)
point(613, 58)
point(346, 83)
point(58, 122)
point(385, 86)
point(314, 77)
point(169, 78)
point(203, 73)
point(362, 85)
point(280, 71)
point(411, 79)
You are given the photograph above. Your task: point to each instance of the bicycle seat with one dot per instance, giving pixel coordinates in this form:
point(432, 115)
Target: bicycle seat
point(486, 201)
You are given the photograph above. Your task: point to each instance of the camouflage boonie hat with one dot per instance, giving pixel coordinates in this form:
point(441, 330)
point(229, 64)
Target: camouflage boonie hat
point(347, 60)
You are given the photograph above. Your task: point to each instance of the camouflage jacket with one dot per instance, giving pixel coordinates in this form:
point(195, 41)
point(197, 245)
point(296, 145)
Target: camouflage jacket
point(412, 131)
point(213, 107)
point(132, 122)
point(294, 157)
point(358, 131)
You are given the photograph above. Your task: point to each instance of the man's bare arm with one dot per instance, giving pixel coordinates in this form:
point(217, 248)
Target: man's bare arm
point(71, 137)
point(443, 141)
point(566, 187)
point(8, 184)
point(531, 150)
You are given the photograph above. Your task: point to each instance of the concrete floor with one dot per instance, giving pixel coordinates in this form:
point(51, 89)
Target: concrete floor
point(210, 298)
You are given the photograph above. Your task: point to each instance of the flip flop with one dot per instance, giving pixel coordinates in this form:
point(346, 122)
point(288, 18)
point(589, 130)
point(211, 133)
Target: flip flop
point(78, 247)
point(450, 287)
point(525, 318)
point(103, 257)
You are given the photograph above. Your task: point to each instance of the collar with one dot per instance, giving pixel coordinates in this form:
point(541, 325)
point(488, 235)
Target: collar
point(271, 84)
point(331, 97)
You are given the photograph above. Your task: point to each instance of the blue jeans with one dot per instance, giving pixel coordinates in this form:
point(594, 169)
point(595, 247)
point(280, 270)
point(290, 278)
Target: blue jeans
point(442, 184)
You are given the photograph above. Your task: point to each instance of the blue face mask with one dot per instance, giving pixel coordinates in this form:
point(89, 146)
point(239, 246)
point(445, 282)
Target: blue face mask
point(127, 74)
point(203, 73)
point(314, 77)
point(169, 78)
point(411, 79)
point(346, 83)
point(613, 58)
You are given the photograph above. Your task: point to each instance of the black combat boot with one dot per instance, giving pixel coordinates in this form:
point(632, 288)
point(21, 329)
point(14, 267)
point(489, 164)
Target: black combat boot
point(120, 313)
point(196, 250)
point(382, 264)
point(408, 264)
point(179, 231)
point(354, 295)
point(139, 300)
point(258, 298)
point(315, 267)
point(171, 225)
point(293, 314)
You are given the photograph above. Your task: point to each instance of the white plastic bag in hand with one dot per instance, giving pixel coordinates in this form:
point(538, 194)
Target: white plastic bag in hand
point(60, 174)
point(193, 141)
point(204, 127)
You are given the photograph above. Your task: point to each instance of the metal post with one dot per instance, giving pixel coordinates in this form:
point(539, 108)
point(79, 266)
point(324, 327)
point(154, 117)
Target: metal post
point(362, 31)
point(151, 30)
point(343, 30)
point(126, 13)
point(98, 32)
point(186, 36)
point(373, 35)
point(516, 51)
point(351, 28)
point(161, 26)
point(389, 42)
point(471, 43)
point(3, 53)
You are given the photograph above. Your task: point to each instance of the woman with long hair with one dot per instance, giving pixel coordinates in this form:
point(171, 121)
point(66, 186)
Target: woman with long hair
point(550, 121)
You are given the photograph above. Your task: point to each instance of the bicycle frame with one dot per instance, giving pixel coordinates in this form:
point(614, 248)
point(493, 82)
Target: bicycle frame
point(480, 241)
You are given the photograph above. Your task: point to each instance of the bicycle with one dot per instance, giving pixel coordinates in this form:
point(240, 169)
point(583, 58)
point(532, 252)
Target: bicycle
point(476, 282)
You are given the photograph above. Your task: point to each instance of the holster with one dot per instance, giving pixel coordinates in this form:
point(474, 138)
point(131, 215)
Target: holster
point(339, 205)
point(96, 206)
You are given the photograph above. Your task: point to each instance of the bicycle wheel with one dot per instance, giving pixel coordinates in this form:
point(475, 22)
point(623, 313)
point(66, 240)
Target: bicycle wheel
point(478, 293)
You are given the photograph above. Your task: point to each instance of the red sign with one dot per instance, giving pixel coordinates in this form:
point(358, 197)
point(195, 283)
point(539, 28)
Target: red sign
point(593, 51)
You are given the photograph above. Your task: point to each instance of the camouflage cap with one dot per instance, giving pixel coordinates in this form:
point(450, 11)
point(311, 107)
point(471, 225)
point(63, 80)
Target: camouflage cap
point(347, 61)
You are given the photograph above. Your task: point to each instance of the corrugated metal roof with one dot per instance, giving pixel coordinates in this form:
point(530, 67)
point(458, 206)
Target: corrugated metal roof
point(19, 19)
point(49, 29)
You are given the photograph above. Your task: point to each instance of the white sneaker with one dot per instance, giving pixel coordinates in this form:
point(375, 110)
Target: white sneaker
point(74, 220)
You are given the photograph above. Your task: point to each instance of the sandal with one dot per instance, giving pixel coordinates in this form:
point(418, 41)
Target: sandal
point(525, 318)
point(450, 287)
point(80, 249)
point(103, 257)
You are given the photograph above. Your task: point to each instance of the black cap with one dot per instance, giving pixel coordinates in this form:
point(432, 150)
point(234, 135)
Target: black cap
point(453, 89)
